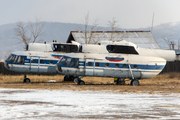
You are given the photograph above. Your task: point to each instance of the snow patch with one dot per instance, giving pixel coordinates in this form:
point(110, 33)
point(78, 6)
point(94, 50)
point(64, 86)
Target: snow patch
point(67, 104)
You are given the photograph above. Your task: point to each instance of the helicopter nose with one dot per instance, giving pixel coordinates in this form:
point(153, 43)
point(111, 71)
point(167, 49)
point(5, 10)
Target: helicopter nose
point(59, 68)
point(6, 65)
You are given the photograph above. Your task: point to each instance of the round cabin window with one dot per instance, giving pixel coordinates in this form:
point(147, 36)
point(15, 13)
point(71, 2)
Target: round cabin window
point(34, 61)
point(124, 65)
point(41, 61)
point(107, 64)
point(90, 63)
point(97, 64)
point(51, 62)
point(135, 66)
point(117, 65)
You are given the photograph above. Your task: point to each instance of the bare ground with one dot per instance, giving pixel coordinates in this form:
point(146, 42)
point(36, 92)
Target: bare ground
point(163, 83)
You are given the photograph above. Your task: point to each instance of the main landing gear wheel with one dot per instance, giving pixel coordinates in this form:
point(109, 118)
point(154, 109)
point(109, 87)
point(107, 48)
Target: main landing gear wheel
point(134, 82)
point(79, 81)
point(27, 80)
point(68, 78)
point(120, 81)
point(76, 80)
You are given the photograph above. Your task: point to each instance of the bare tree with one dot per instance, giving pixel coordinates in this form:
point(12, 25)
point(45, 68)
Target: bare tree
point(93, 34)
point(114, 26)
point(22, 29)
point(86, 27)
point(21, 32)
point(168, 40)
point(89, 35)
point(36, 30)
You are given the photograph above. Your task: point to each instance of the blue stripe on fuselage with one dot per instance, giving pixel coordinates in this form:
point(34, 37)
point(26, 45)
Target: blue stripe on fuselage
point(139, 66)
point(121, 65)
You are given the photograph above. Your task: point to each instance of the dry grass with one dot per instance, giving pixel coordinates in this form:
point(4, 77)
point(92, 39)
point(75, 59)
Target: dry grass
point(164, 83)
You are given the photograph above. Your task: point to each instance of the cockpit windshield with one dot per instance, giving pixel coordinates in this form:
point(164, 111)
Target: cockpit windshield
point(16, 59)
point(72, 62)
point(62, 60)
point(67, 62)
point(10, 57)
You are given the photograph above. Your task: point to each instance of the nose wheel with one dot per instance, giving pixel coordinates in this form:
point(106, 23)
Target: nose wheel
point(26, 80)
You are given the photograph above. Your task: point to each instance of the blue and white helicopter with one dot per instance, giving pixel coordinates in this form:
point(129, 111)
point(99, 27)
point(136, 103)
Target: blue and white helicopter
point(39, 58)
point(119, 60)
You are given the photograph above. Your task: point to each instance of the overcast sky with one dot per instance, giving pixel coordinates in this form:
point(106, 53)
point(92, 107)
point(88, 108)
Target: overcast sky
point(128, 13)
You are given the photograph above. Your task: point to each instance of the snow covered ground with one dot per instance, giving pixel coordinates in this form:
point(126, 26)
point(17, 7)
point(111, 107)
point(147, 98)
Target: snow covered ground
point(65, 104)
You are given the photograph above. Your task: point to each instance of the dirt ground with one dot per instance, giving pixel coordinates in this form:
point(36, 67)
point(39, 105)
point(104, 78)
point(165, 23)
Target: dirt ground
point(163, 83)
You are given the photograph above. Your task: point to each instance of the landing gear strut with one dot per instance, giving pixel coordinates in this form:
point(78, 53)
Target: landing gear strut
point(134, 82)
point(26, 80)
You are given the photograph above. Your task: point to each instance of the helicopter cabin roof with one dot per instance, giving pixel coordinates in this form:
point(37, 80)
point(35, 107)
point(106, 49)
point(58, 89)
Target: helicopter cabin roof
point(143, 39)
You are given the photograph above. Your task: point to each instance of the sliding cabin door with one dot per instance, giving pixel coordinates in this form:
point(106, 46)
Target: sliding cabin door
point(89, 67)
point(34, 64)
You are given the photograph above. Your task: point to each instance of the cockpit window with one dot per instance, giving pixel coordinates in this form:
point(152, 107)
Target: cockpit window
point(68, 60)
point(14, 58)
point(62, 60)
point(121, 49)
point(74, 62)
point(10, 57)
point(20, 60)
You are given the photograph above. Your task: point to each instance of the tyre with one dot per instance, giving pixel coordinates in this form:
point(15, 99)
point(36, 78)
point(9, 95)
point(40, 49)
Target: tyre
point(27, 80)
point(82, 82)
point(66, 77)
point(76, 80)
point(135, 82)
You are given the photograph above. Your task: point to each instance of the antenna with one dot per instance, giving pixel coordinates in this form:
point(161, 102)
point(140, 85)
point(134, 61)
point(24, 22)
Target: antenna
point(152, 22)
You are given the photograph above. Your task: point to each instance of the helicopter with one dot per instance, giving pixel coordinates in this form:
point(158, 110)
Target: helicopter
point(119, 60)
point(39, 58)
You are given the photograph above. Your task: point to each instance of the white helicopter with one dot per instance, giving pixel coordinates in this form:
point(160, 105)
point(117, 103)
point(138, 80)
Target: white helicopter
point(119, 60)
point(39, 58)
